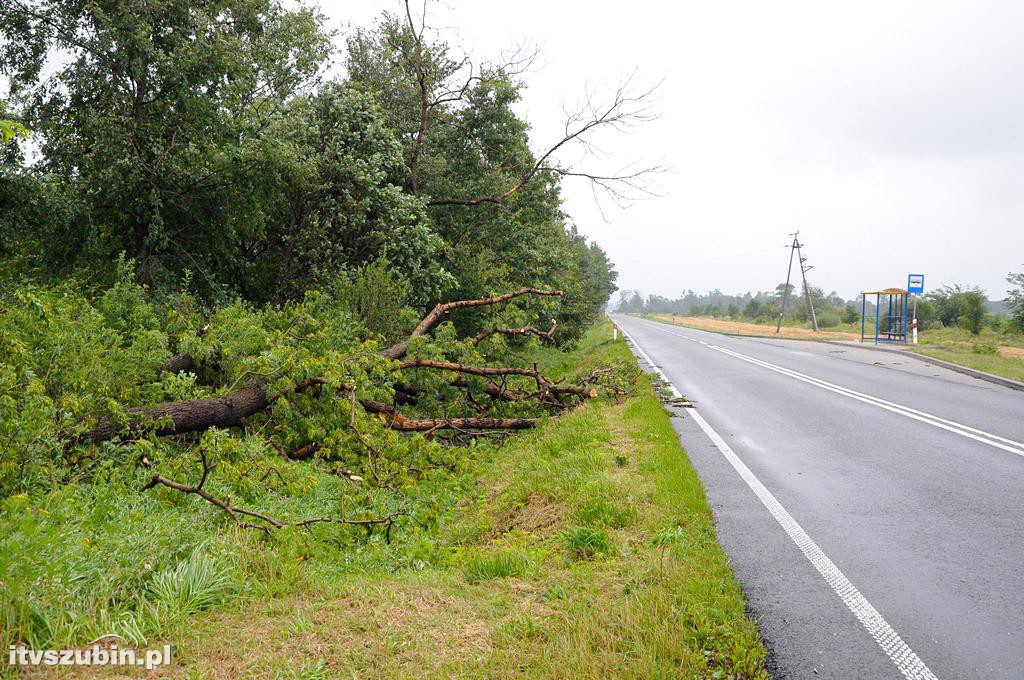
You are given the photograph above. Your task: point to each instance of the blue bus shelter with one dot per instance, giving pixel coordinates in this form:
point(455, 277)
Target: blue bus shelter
point(891, 315)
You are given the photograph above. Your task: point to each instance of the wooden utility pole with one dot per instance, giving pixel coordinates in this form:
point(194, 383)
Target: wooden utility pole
point(807, 289)
point(785, 292)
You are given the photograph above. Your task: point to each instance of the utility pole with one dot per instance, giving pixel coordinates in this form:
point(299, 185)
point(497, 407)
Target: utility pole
point(785, 292)
point(807, 289)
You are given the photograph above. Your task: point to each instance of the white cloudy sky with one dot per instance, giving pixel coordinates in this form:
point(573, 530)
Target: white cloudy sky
point(889, 133)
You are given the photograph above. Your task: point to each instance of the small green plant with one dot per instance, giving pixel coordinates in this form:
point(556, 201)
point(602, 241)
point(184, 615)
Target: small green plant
point(986, 348)
point(621, 461)
point(194, 584)
point(599, 512)
point(504, 564)
point(669, 535)
point(584, 543)
point(525, 628)
point(299, 623)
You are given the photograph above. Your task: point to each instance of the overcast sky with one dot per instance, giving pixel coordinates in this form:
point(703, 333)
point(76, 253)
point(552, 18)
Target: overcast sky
point(889, 133)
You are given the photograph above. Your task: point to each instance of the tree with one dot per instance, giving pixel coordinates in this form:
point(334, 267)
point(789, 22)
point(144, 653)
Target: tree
point(753, 309)
point(1015, 297)
point(198, 140)
point(782, 291)
point(956, 304)
point(332, 201)
point(158, 120)
point(493, 201)
point(972, 307)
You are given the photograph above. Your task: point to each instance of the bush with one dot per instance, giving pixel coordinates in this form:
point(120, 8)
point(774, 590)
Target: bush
point(972, 311)
point(192, 585)
point(984, 348)
point(828, 320)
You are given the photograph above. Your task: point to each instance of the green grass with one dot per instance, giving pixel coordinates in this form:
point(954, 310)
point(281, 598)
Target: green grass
point(584, 543)
point(1007, 367)
point(975, 351)
point(582, 549)
point(503, 564)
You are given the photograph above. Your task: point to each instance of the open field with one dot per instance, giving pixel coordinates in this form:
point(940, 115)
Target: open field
point(750, 328)
point(585, 548)
point(990, 351)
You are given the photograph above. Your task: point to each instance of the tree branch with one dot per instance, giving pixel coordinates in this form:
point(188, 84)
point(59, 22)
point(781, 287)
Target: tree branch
point(234, 511)
point(525, 330)
point(396, 421)
point(437, 314)
point(625, 111)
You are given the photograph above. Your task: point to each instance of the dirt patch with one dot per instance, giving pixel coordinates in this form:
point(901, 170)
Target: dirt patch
point(538, 515)
point(401, 630)
point(622, 446)
point(744, 328)
point(1012, 352)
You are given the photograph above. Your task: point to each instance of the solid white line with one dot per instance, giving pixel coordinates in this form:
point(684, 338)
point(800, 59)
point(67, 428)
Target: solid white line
point(908, 663)
point(982, 436)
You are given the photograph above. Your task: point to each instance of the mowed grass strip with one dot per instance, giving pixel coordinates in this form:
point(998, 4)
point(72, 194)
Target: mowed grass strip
point(583, 549)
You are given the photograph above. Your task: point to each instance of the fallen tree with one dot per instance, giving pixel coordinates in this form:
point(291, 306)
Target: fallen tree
point(235, 407)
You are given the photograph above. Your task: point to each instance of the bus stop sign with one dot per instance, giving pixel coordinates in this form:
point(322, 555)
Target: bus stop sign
point(915, 283)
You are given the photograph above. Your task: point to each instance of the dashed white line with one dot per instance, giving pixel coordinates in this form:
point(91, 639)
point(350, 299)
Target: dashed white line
point(908, 663)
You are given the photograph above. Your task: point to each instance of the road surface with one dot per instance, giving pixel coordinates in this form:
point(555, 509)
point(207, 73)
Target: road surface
point(871, 505)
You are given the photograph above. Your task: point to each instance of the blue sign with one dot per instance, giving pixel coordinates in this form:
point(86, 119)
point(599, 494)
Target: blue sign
point(915, 283)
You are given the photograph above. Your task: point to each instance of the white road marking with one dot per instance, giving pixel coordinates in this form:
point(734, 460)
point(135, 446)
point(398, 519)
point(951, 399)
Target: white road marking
point(922, 416)
point(949, 425)
point(908, 663)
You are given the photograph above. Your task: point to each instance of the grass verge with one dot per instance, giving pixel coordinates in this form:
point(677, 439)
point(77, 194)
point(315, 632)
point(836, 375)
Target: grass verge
point(585, 548)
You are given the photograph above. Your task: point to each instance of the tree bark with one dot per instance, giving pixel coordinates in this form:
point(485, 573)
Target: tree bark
point(179, 363)
point(180, 417)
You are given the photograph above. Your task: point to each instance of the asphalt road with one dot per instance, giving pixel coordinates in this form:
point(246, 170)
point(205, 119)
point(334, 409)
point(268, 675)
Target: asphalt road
point(920, 512)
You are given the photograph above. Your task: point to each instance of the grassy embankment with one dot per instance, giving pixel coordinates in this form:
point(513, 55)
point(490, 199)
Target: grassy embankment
point(991, 351)
point(584, 548)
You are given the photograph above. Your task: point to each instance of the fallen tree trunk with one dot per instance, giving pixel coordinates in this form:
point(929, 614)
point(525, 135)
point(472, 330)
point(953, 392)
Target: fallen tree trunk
point(396, 421)
point(179, 363)
point(181, 417)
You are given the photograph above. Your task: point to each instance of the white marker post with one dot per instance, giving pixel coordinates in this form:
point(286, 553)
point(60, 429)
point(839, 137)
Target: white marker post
point(915, 286)
point(615, 331)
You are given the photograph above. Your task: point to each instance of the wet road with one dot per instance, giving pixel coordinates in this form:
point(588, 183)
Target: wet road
point(871, 505)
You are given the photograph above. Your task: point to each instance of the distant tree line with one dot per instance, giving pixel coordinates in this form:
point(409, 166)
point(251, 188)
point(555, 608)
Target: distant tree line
point(760, 307)
point(952, 305)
